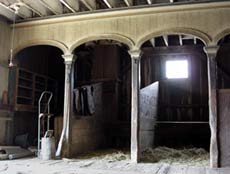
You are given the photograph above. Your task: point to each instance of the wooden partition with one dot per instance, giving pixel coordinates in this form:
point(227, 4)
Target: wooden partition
point(148, 114)
point(224, 127)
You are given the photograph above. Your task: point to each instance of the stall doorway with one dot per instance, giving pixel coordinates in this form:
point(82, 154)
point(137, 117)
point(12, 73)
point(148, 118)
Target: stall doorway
point(37, 69)
point(101, 125)
point(180, 130)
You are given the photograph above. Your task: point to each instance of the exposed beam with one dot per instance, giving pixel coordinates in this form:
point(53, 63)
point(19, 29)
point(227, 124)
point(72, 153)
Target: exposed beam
point(90, 4)
point(108, 4)
point(6, 11)
point(37, 6)
point(195, 40)
point(152, 41)
point(149, 2)
point(30, 8)
point(53, 6)
point(68, 6)
point(180, 40)
point(21, 10)
point(128, 2)
point(25, 12)
point(165, 38)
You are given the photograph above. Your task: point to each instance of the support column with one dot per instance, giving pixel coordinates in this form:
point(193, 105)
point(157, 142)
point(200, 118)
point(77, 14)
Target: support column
point(211, 52)
point(135, 56)
point(65, 140)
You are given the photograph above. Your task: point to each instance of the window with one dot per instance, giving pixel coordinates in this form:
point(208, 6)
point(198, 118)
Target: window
point(176, 69)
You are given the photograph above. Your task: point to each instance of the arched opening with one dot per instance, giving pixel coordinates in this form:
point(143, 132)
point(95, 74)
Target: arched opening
point(223, 98)
point(102, 85)
point(37, 69)
point(174, 75)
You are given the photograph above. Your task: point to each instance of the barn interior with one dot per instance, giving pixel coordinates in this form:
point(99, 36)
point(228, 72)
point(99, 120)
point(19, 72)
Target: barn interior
point(105, 84)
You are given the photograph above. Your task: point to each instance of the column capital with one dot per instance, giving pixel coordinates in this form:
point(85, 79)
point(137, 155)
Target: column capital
point(69, 58)
point(211, 49)
point(135, 54)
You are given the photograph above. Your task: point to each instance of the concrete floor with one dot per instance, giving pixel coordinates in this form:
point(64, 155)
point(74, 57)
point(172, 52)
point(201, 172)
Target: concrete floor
point(87, 166)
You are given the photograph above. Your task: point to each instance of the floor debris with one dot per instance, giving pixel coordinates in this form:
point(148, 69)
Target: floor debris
point(191, 156)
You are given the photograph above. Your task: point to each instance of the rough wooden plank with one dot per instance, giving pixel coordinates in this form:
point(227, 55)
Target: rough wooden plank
point(148, 114)
point(224, 127)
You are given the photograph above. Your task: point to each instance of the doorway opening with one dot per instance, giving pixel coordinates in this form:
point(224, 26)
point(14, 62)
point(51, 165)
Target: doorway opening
point(38, 68)
point(174, 75)
point(102, 80)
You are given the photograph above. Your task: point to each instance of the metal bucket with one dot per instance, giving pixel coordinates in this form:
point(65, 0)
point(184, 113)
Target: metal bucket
point(48, 148)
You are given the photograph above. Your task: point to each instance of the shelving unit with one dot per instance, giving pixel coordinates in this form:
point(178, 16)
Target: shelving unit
point(28, 87)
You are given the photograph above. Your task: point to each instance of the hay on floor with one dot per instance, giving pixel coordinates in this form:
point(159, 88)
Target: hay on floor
point(185, 156)
point(110, 155)
point(188, 156)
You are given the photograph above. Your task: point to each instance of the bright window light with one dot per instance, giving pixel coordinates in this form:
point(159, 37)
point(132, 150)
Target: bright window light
point(176, 69)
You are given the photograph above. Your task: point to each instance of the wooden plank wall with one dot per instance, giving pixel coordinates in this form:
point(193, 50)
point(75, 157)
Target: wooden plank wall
point(224, 126)
point(182, 102)
point(223, 104)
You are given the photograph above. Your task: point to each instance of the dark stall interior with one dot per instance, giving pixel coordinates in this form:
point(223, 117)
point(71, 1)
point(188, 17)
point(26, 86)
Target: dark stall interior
point(182, 118)
point(102, 70)
point(38, 69)
point(223, 95)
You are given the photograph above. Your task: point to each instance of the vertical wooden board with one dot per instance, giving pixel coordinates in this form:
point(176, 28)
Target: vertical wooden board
point(148, 114)
point(224, 126)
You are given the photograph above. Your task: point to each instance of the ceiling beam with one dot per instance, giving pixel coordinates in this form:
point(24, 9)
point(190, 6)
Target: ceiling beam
point(195, 40)
point(149, 2)
point(37, 7)
point(165, 38)
point(108, 4)
point(90, 4)
point(180, 40)
point(68, 6)
point(30, 8)
point(128, 2)
point(53, 5)
point(7, 12)
point(152, 41)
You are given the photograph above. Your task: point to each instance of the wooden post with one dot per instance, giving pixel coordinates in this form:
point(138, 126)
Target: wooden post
point(135, 56)
point(211, 52)
point(69, 62)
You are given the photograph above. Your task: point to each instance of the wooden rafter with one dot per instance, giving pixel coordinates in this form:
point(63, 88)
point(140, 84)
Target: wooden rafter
point(90, 4)
point(149, 2)
point(128, 2)
point(165, 38)
point(67, 5)
point(108, 4)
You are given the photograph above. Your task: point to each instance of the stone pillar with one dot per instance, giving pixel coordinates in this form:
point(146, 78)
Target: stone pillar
point(69, 62)
point(135, 56)
point(211, 52)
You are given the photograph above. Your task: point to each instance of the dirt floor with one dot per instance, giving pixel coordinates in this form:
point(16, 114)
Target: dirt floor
point(117, 162)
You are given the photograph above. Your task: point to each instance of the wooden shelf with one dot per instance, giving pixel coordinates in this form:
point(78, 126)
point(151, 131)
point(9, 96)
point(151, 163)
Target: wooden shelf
point(26, 79)
point(28, 87)
point(24, 97)
point(25, 87)
point(183, 106)
point(182, 122)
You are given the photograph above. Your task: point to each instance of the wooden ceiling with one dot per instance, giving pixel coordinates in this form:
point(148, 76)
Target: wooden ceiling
point(35, 9)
